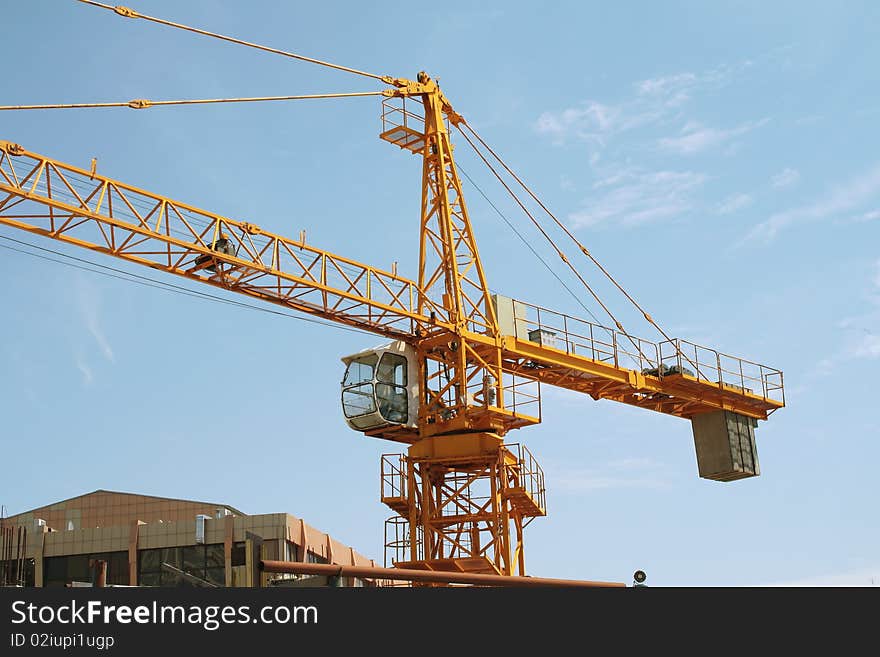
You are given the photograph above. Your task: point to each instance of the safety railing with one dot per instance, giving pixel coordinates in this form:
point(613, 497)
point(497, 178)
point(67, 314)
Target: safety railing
point(522, 396)
point(529, 474)
point(606, 345)
point(708, 365)
point(403, 124)
point(582, 338)
point(397, 541)
point(393, 477)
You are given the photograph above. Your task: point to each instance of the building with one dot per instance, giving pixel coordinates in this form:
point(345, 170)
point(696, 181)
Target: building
point(158, 541)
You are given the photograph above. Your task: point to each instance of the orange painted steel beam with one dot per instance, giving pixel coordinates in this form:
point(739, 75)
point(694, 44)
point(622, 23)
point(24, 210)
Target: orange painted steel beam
point(436, 577)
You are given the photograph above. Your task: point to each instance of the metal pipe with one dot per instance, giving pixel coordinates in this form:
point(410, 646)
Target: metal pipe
point(99, 573)
point(440, 577)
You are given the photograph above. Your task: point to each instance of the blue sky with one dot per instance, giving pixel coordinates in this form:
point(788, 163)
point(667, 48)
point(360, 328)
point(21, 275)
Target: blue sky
point(719, 158)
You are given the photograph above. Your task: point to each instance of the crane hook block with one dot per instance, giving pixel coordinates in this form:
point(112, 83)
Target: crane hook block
point(11, 148)
point(125, 11)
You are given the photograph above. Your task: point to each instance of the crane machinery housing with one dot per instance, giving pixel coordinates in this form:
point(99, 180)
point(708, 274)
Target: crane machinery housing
point(462, 367)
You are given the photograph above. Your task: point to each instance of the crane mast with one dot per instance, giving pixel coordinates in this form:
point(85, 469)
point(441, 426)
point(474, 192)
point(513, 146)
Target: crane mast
point(472, 362)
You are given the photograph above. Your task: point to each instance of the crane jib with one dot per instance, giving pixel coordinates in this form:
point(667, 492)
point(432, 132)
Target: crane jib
point(79, 207)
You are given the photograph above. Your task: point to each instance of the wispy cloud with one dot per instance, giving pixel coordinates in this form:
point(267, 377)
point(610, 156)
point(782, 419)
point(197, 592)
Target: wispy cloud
point(633, 197)
point(873, 215)
point(88, 304)
point(862, 341)
point(840, 199)
point(85, 370)
point(651, 101)
point(696, 138)
point(87, 300)
point(673, 89)
point(625, 473)
point(867, 347)
point(566, 184)
point(785, 178)
point(734, 203)
point(591, 121)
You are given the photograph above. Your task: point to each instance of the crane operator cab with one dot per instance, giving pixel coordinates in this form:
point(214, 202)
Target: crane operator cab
point(380, 387)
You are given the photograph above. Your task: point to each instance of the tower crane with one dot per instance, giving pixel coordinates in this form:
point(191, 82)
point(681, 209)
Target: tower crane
point(462, 367)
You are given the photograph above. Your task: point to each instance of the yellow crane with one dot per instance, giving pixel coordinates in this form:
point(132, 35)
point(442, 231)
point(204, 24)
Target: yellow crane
point(462, 368)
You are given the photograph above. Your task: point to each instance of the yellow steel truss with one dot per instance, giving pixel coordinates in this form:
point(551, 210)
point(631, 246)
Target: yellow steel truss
point(463, 496)
point(89, 210)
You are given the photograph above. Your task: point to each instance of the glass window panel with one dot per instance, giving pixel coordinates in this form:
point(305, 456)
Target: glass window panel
point(117, 568)
point(170, 579)
point(392, 402)
point(78, 568)
point(171, 556)
point(392, 369)
point(239, 555)
point(30, 572)
point(151, 579)
point(214, 557)
point(360, 370)
point(150, 561)
point(358, 400)
point(56, 569)
point(119, 561)
point(311, 557)
point(194, 560)
point(216, 576)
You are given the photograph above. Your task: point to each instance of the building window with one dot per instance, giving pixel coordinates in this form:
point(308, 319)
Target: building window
point(10, 575)
point(312, 557)
point(61, 571)
point(206, 562)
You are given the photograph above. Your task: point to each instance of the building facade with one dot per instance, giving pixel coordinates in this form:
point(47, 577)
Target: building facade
point(156, 541)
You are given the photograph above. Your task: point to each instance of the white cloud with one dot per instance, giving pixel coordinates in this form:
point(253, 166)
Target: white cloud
point(867, 347)
point(597, 122)
point(85, 370)
point(785, 178)
point(88, 303)
point(589, 121)
point(842, 198)
point(655, 101)
point(667, 85)
point(734, 203)
point(696, 138)
point(867, 216)
point(633, 197)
